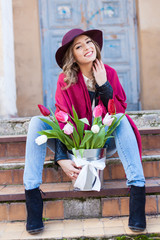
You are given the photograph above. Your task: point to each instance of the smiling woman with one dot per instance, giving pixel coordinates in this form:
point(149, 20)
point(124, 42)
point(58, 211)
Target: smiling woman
point(80, 58)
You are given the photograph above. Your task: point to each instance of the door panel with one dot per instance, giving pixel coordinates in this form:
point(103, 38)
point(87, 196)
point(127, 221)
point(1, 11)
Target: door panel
point(115, 18)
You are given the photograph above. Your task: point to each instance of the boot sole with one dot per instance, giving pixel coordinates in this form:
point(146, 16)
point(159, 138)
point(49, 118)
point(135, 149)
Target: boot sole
point(136, 229)
point(35, 231)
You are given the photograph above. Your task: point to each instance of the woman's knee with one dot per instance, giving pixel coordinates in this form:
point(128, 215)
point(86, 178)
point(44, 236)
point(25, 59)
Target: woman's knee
point(35, 120)
point(36, 123)
point(124, 119)
point(118, 115)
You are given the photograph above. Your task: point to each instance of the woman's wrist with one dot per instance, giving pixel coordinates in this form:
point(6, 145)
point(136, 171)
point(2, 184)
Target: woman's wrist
point(100, 83)
point(60, 162)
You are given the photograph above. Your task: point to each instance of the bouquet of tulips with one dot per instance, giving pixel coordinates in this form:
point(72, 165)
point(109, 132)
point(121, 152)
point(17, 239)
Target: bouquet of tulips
point(74, 136)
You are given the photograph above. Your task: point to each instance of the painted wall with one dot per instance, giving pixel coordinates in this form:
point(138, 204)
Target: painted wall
point(27, 56)
point(7, 65)
point(149, 48)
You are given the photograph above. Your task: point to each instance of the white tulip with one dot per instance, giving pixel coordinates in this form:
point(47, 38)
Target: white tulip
point(95, 129)
point(41, 139)
point(107, 120)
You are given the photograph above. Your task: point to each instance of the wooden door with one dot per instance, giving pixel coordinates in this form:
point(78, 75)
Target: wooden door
point(117, 20)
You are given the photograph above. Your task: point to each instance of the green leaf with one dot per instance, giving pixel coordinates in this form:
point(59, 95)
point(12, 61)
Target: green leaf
point(81, 151)
point(74, 152)
point(115, 124)
point(95, 121)
point(99, 119)
point(45, 133)
point(49, 122)
point(79, 123)
point(51, 111)
point(88, 135)
point(55, 126)
point(68, 141)
point(98, 139)
point(65, 139)
point(76, 137)
point(74, 114)
point(105, 139)
point(54, 116)
point(52, 132)
point(84, 120)
point(80, 129)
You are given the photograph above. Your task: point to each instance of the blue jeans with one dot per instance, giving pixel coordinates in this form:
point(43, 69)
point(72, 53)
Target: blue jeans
point(124, 142)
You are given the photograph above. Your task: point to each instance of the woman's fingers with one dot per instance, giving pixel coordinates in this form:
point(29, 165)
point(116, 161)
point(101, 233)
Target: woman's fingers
point(74, 171)
point(73, 176)
point(75, 166)
point(98, 65)
point(70, 168)
point(102, 65)
point(99, 72)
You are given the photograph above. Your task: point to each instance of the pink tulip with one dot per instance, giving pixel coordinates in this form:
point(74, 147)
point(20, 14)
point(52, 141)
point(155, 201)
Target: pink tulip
point(68, 129)
point(107, 120)
point(97, 111)
point(44, 110)
point(61, 116)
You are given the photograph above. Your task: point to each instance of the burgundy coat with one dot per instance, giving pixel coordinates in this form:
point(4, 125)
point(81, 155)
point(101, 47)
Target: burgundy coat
point(78, 96)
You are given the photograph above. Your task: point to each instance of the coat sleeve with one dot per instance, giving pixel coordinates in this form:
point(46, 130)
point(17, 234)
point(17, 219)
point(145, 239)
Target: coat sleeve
point(105, 92)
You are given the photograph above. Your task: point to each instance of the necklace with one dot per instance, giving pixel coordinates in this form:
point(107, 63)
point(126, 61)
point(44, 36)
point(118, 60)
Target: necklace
point(89, 83)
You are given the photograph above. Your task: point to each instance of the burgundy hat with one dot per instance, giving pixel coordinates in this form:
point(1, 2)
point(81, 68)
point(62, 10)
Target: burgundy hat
point(69, 37)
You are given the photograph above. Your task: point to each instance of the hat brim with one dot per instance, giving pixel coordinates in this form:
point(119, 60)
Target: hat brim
point(96, 35)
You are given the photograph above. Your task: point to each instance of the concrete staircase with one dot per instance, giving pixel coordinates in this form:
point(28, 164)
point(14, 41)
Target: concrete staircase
point(60, 201)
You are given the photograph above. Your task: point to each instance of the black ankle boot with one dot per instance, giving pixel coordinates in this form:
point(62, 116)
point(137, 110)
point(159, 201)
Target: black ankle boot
point(137, 219)
point(34, 204)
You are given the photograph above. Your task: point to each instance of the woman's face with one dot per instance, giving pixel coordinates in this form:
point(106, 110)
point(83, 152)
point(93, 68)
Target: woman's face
point(84, 50)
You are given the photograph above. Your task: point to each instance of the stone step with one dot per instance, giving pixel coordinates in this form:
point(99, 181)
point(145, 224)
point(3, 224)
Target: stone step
point(19, 126)
point(12, 147)
point(12, 173)
point(62, 202)
point(11, 168)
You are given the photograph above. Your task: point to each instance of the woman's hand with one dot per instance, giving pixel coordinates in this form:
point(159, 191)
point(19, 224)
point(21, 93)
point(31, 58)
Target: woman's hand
point(99, 72)
point(70, 168)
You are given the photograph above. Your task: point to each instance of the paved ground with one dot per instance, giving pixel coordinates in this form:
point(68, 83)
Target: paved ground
point(104, 227)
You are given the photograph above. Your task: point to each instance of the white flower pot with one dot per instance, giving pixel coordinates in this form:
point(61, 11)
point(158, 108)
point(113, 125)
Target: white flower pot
point(92, 163)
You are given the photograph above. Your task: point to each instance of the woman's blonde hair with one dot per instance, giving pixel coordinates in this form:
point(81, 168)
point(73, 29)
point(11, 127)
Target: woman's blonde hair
point(71, 68)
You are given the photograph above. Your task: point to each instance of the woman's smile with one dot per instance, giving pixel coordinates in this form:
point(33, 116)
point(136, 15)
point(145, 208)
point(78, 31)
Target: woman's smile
point(88, 54)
